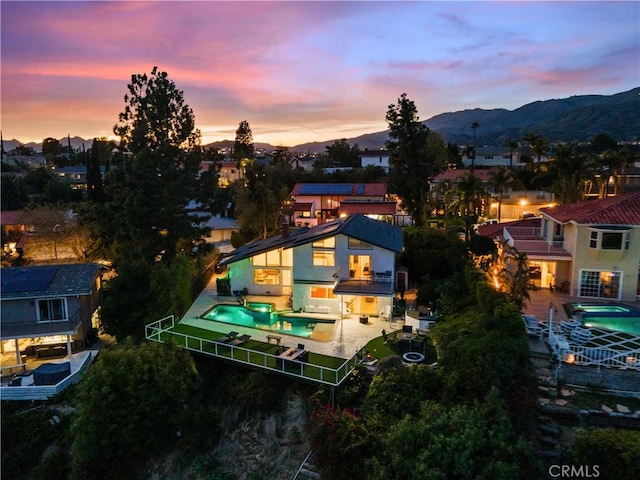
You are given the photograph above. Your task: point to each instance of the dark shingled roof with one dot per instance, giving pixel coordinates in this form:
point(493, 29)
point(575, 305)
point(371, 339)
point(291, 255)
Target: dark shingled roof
point(357, 226)
point(48, 280)
point(619, 210)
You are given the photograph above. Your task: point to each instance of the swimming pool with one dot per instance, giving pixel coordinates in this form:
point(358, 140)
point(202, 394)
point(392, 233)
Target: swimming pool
point(610, 316)
point(263, 316)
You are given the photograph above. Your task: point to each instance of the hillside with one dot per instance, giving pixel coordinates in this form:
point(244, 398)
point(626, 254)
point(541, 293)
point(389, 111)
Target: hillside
point(577, 118)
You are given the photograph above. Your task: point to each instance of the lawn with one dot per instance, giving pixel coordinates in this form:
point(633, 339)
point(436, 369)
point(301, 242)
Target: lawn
point(261, 354)
point(379, 349)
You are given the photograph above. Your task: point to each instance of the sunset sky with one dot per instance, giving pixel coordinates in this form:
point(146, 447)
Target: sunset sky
point(305, 71)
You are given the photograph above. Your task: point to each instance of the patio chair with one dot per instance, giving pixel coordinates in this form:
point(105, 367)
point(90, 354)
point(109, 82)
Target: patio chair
point(239, 340)
point(300, 346)
point(227, 338)
point(407, 329)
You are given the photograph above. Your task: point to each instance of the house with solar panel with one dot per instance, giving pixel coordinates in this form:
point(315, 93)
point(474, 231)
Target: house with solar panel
point(343, 266)
point(316, 203)
point(48, 310)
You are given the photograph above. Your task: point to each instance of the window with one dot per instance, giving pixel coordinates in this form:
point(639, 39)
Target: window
point(322, 258)
point(355, 244)
point(489, 156)
point(52, 310)
point(268, 259)
point(325, 243)
point(600, 284)
point(610, 238)
point(322, 292)
point(266, 276)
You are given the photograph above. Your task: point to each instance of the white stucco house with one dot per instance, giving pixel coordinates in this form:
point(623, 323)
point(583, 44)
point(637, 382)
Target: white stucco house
point(345, 266)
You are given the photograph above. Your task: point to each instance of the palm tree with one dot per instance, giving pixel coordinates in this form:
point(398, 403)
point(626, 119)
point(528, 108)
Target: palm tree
point(537, 143)
point(471, 196)
point(513, 145)
point(475, 126)
point(445, 190)
point(515, 274)
point(500, 178)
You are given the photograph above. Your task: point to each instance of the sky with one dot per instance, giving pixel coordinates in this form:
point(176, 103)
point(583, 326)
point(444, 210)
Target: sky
point(300, 71)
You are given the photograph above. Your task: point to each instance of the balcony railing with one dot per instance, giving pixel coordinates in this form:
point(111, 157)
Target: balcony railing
point(162, 331)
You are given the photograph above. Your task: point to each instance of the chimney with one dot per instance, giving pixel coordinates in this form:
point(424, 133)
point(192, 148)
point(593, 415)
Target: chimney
point(285, 229)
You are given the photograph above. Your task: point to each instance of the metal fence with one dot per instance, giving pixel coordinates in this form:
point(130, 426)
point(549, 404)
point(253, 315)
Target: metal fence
point(600, 356)
point(161, 332)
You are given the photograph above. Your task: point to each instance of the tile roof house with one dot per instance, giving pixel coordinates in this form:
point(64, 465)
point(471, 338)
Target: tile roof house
point(49, 309)
point(343, 266)
point(588, 249)
point(316, 203)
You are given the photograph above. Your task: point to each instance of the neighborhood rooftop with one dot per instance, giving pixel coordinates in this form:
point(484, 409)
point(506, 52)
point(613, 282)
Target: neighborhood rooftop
point(620, 210)
point(48, 280)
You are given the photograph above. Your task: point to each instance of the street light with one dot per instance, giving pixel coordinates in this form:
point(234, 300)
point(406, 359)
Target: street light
point(55, 243)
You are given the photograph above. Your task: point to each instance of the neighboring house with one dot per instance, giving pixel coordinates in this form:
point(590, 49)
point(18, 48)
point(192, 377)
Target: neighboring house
point(75, 176)
point(228, 173)
point(515, 203)
point(494, 156)
point(49, 310)
point(343, 266)
point(316, 203)
point(588, 249)
point(13, 230)
point(220, 227)
point(375, 158)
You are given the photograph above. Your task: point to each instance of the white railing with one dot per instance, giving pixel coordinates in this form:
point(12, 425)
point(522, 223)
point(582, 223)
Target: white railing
point(161, 332)
point(601, 356)
point(43, 392)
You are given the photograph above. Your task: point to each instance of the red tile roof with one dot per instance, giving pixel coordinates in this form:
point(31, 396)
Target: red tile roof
point(11, 217)
point(620, 210)
point(452, 175)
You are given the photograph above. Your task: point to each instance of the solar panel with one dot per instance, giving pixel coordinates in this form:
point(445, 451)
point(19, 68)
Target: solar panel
point(325, 189)
point(27, 279)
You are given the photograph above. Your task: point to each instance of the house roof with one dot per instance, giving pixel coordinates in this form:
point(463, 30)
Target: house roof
point(10, 217)
point(357, 226)
point(496, 229)
point(48, 280)
point(371, 208)
point(452, 175)
point(347, 189)
point(619, 210)
point(302, 206)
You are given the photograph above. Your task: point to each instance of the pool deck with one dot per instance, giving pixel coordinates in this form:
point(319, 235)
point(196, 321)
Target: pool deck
point(347, 337)
point(543, 300)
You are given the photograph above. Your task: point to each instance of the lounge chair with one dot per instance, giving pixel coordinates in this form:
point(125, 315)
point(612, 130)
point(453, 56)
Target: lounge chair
point(532, 326)
point(239, 340)
point(227, 338)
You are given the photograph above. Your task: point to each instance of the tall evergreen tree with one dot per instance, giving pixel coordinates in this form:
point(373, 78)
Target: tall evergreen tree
point(159, 173)
point(243, 147)
point(415, 155)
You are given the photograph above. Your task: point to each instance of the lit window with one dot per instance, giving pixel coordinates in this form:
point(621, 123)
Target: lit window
point(266, 276)
point(325, 243)
point(322, 292)
point(355, 244)
point(323, 258)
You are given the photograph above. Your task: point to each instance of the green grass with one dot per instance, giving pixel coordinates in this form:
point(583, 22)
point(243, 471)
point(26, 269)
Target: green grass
point(379, 349)
point(252, 352)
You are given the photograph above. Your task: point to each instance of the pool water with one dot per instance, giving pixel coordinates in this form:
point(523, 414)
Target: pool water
point(609, 316)
point(256, 317)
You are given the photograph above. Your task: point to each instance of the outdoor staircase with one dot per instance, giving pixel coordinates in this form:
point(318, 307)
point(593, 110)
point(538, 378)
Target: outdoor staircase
point(307, 469)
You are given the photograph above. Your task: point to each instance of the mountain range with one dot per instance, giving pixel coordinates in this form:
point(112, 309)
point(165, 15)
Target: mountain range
point(578, 118)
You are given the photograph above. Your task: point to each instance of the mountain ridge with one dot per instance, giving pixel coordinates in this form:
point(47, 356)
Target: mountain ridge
point(576, 118)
